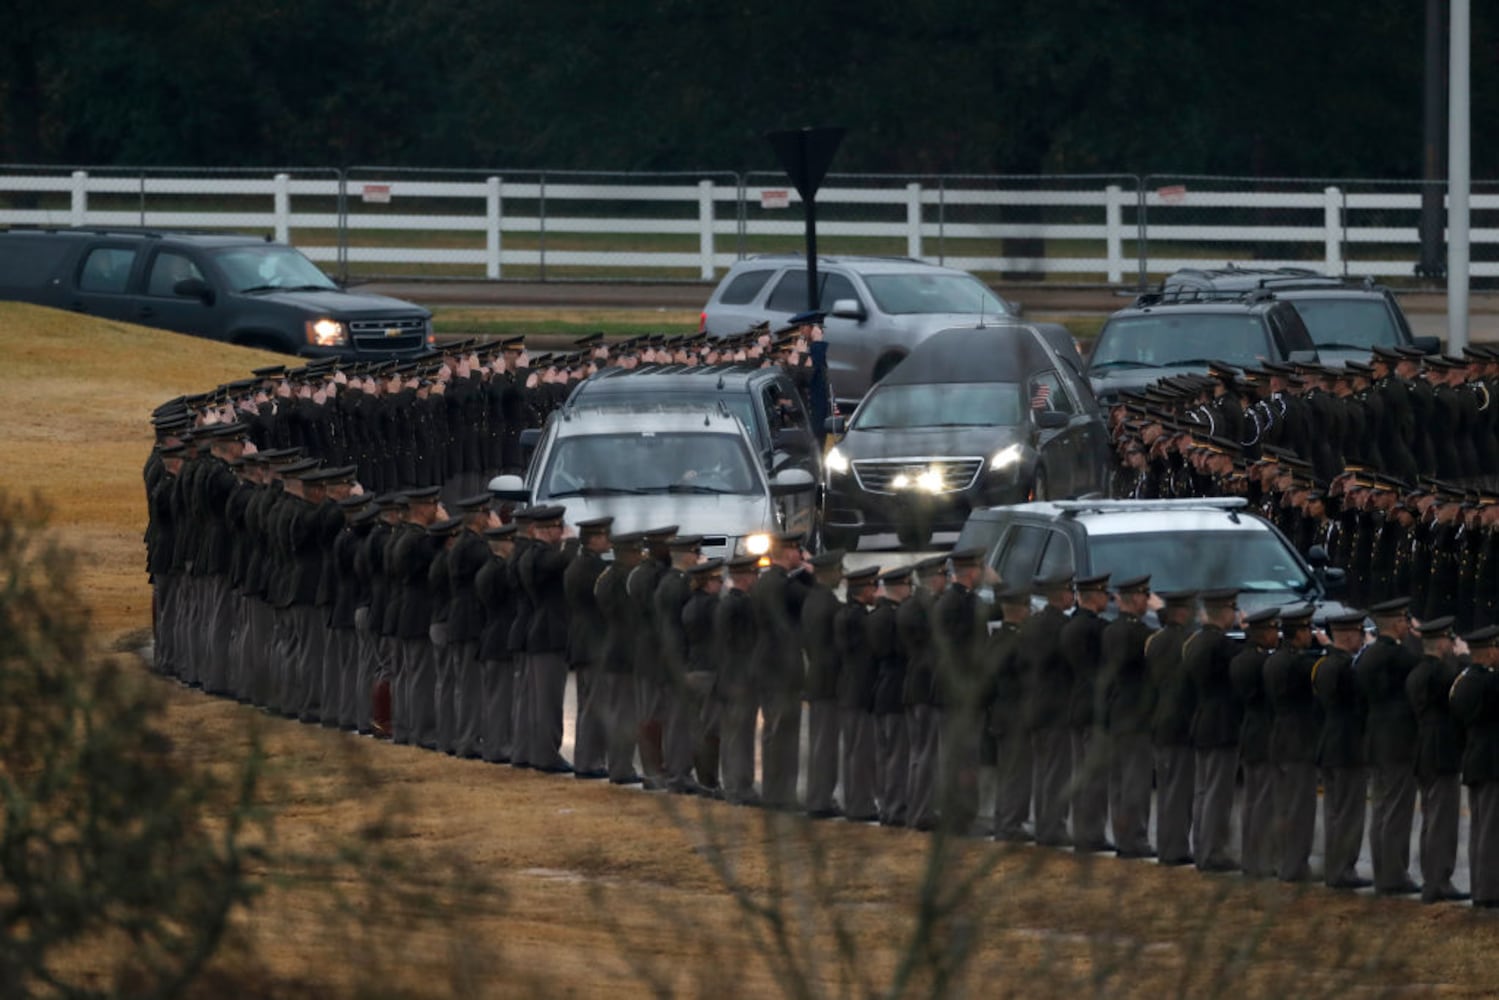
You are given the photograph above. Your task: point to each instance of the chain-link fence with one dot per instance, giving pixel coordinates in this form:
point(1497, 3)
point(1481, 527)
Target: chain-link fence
point(1114, 229)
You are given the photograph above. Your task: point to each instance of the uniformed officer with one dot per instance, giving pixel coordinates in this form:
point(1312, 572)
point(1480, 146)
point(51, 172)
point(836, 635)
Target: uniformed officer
point(1047, 692)
point(492, 584)
point(1390, 746)
point(650, 710)
point(958, 631)
point(541, 570)
point(439, 592)
point(856, 692)
point(470, 554)
point(1247, 675)
point(408, 562)
point(892, 738)
point(1006, 718)
point(1439, 756)
point(734, 691)
point(621, 622)
point(678, 721)
point(586, 632)
point(1340, 752)
point(1295, 730)
point(1082, 645)
point(1129, 701)
point(1171, 728)
point(1216, 719)
point(776, 667)
point(913, 624)
point(819, 640)
point(1475, 704)
point(702, 668)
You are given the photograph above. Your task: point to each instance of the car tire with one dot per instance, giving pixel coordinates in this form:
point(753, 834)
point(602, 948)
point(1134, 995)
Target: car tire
point(914, 536)
point(1040, 489)
point(840, 538)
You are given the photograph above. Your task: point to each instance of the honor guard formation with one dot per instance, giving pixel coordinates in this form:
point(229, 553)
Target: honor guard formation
point(304, 560)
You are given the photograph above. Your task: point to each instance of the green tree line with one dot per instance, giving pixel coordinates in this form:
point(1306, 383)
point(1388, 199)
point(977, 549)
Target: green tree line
point(1253, 87)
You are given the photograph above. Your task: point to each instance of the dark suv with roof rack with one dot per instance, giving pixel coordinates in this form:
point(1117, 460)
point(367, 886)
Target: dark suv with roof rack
point(1181, 331)
point(238, 289)
point(1346, 318)
point(765, 401)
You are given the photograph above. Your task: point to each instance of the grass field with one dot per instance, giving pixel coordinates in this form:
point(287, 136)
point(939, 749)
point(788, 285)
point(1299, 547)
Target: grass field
point(578, 890)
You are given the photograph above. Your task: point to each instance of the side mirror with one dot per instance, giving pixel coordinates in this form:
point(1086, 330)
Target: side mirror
point(1333, 580)
point(847, 309)
point(509, 487)
point(791, 480)
point(1317, 556)
point(194, 288)
point(1050, 420)
point(530, 438)
point(1427, 345)
point(837, 426)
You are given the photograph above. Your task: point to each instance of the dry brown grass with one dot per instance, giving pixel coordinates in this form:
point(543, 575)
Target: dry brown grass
point(596, 890)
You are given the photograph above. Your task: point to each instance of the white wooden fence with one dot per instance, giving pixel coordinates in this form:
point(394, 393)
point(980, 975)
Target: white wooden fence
point(399, 222)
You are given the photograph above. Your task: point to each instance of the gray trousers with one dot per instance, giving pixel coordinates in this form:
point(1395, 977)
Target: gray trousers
point(521, 707)
point(590, 740)
point(1017, 776)
point(1257, 821)
point(959, 755)
point(737, 749)
point(1051, 753)
point(780, 750)
point(706, 720)
point(418, 689)
point(860, 764)
point(1175, 778)
point(1441, 803)
point(1130, 769)
point(1345, 801)
point(338, 664)
point(1392, 791)
point(822, 755)
point(1483, 829)
point(622, 730)
point(921, 781)
point(167, 587)
point(1213, 808)
point(444, 717)
point(468, 699)
point(650, 723)
point(679, 734)
point(499, 707)
point(219, 625)
point(1090, 789)
point(893, 745)
point(1293, 798)
point(548, 691)
point(283, 652)
point(307, 676)
point(367, 665)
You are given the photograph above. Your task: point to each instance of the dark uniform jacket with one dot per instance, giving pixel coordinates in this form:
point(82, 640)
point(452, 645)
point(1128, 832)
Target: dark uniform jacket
point(913, 624)
point(889, 657)
point(819, 612)
point(1246, 672)
point(776, 664)
point(620, 619)
point(734, 628)
point(493, 585)
point(1005, 698)
point(1344, 711)
point(1217, 714)
point(1439, 737)
point(856, 666)
point(1171, 720)
point(411, 562)
point(672, 590)
point(1381, 671)
point(1475, 704)
point(1048, 672)
point(958, 631)
point(469, 554)
point(1297, 726)
point(697, 629)
point(1126, 677)
point(1082, 646)
point(586, 628)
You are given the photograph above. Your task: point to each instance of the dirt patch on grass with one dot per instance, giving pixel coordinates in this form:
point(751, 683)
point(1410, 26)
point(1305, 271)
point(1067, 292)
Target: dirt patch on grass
point(598, 891)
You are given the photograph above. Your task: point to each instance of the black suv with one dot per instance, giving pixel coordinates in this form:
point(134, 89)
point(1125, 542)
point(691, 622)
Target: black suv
point(765, 400)
point(237, 289)
point(1182, 331)
point(1347, 319)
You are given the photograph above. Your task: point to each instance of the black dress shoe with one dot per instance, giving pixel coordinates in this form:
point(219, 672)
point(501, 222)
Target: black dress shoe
point(590, 775)
point(923, 826)
point(863, 819)
point(832, 812)
point(1406, 888)
point(1218, 867)
point(1015, 837)
point(1053, 842)
point(1101, 847)
point(893, 823)
point(1179, 862)
point(1352, 882)
point(1443, 894)
point(1144, 853)
point(556, 767)
point(1486, 904)
point(629, 779)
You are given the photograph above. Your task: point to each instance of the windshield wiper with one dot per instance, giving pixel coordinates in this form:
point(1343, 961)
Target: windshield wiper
point(260, 288)
point(694, 488)
point(1204, 362)
point(598, 491)
point(1120, 363)
point(1338, 345)
point(288, 288)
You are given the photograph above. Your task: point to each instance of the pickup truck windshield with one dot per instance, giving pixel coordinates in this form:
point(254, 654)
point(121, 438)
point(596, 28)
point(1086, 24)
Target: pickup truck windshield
point(268, 267)
point(646, 463)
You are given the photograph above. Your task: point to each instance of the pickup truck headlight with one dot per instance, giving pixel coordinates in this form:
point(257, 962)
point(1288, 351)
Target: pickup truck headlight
point(835, 461)
point(1005, 457)
point(757, 544)
point(326, 333)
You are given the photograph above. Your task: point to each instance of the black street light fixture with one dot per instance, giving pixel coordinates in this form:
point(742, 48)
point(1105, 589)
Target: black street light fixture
point(805, 154)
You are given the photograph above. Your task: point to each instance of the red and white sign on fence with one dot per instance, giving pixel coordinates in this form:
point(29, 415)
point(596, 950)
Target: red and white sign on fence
point(775, 197)
point(375, 194)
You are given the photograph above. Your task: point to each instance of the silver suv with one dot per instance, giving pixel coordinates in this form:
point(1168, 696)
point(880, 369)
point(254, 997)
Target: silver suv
point(692, 466)
point(878, 308)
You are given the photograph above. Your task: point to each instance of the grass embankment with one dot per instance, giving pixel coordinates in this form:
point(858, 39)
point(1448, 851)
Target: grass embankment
point(599, 887)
